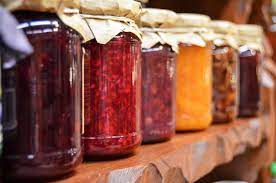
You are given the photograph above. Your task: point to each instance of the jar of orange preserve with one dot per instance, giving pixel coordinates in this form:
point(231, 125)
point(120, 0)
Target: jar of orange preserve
point(194, 74)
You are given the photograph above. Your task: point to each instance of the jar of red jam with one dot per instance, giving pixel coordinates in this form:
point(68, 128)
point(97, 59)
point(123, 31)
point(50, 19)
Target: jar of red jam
point(158, 77)
point(112, 85)
point(225, 71)
point(13, 47)
point(158, 93)
point(250, 55)
point(42, 100)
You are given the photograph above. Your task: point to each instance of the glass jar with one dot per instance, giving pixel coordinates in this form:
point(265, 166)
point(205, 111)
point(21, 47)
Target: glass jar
point(158, 93)
point(194, 87)
point(112, 91)
point(41, 101)
point(249, 81)
point(225, 82)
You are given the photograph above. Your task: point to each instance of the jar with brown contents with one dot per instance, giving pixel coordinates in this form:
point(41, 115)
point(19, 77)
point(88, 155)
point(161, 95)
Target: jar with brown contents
point(225, 76)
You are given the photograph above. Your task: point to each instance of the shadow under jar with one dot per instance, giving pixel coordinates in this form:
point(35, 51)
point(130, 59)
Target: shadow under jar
point(250, 60)
point(112, 93)
point(158, 93)
point(41, 101)
point(225, 80)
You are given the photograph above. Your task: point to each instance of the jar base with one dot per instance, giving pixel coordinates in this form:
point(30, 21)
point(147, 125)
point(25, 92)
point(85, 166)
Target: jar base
point(156, 140)
point(22, 168)
point(248, 113)
point(109, 147)
point(152, 139)
point(220, 121)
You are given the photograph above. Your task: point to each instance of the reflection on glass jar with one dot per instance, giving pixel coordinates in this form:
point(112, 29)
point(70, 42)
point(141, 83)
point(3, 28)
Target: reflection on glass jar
point(41, 101)
point(158, 93)
point(112, 94)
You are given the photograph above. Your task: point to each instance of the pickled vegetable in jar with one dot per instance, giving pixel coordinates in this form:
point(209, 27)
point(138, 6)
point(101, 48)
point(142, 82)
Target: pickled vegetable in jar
point(41, 100)
point(158, 77)
point(250, 55)
point(112, 88)
point(225, 67)
point(194, 75)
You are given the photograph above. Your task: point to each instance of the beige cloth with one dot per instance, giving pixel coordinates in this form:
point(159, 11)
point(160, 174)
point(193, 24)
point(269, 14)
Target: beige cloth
point(93, 19)
point(171, 37)
point(164, 27)
point(251, 36)
point(225, 33)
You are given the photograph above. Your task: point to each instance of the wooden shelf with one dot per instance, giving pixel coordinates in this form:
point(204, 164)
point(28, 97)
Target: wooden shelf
point(188, 156)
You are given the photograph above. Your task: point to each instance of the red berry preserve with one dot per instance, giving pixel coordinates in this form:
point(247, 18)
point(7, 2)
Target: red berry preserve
point(158, 93)
point(41, 101)
point(112, 89)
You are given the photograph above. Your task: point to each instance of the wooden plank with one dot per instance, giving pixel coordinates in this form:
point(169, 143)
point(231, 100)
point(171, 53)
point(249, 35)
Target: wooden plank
point(245, 167)
point(186, 158)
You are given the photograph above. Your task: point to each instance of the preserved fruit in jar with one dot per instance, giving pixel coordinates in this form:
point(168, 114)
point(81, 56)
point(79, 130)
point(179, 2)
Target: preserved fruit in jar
point(41, 101)
point(194, 87)
point(194, 75)
point(225, 67)
point(224, 84)
point(10, 52)
point(158, 75)
point(112, 93)
point(249, 82)
point(158, 93)
point(250, 56)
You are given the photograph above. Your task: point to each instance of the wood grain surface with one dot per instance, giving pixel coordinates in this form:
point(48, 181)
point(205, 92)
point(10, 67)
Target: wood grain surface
point(186, 158)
